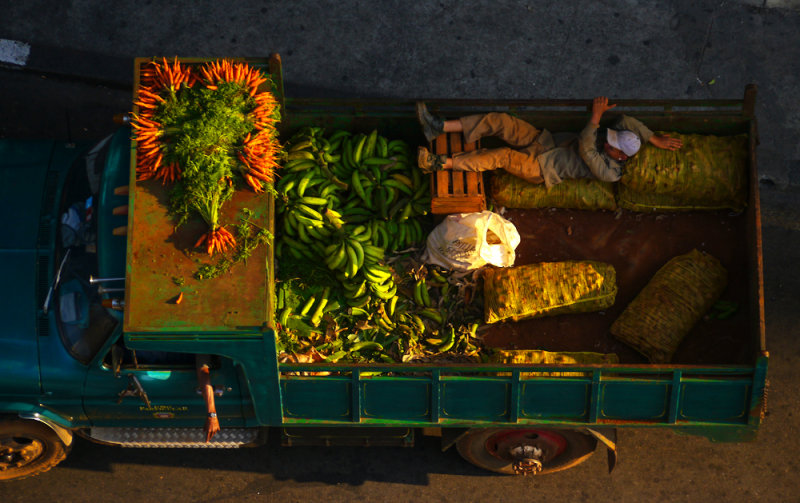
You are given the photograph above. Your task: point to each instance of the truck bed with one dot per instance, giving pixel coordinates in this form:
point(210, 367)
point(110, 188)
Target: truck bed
point(637, 245)
point(714, 386)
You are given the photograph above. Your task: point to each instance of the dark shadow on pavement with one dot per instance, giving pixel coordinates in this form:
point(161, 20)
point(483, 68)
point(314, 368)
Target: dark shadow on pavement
point(328, 465)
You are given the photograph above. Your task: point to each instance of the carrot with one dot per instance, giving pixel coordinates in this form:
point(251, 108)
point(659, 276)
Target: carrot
point(243, 159)
point(259, 175)
point(148, 132)
point(151, 95)
point(255, 184)
point(150, 155)
point(227, 238)
point(169, 173)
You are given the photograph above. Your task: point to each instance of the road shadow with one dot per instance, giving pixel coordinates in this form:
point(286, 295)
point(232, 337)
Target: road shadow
point(328, 465)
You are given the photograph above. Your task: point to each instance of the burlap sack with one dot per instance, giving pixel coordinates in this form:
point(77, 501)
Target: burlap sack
point(547, 357)
point(581, 194)
point(674, 300)
point(708, 172)
point(548, 289)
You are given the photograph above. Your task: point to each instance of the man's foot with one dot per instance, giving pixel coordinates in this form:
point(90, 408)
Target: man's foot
point(432, 126)
point(428, 162)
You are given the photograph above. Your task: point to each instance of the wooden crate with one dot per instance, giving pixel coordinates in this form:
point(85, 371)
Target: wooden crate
point(455, 191)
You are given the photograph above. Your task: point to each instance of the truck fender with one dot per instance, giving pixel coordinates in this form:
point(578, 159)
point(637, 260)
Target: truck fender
point(64, 434)
point(608, 436)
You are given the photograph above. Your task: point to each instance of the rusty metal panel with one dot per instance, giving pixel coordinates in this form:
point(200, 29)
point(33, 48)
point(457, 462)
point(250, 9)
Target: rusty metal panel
point(159, 254)
point(161, 262)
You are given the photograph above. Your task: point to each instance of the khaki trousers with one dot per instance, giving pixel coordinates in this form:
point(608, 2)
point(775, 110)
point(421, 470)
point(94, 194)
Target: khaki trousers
point(519, 160)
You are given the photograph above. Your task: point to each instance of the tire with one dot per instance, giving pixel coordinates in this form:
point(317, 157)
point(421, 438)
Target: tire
point(488, 448)
point(28, 448)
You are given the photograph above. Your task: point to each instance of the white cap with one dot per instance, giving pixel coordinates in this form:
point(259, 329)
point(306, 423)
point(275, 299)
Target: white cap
point(627, 141)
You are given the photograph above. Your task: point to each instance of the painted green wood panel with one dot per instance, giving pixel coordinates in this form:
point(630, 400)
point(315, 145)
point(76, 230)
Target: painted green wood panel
point(482, 399)
point(718, 402)
point(396, 400)
point(567, 400)
point(637, 401)
point(318, 399)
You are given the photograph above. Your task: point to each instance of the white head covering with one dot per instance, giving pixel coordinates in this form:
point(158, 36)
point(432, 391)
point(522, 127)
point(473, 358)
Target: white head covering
point(627, 141)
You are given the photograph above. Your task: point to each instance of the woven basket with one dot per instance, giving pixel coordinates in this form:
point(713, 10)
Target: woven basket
point(548, 289)
point(580, 194)
point(674, 300)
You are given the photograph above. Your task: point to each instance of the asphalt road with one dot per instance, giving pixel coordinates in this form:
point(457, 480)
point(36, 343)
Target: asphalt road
point(624, 49)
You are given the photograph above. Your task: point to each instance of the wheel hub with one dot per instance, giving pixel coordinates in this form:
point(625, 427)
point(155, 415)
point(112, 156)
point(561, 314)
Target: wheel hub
point(528, 459)
point(18, 451)
point(527, 466)
point(526, 450)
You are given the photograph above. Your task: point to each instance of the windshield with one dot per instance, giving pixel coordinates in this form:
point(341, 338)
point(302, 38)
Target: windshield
point(84, 324)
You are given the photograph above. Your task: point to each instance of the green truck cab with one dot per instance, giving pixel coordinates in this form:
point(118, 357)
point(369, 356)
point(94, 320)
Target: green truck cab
point(95, 343)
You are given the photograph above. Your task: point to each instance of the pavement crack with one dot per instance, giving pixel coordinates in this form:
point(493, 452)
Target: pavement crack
point(706, 85)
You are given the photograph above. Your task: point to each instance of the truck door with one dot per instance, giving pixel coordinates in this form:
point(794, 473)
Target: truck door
point(158, 389)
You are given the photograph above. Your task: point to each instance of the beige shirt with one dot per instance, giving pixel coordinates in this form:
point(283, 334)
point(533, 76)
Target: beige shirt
point(580, 158)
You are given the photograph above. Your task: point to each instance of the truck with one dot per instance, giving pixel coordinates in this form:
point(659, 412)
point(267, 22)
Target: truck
point(77, 316)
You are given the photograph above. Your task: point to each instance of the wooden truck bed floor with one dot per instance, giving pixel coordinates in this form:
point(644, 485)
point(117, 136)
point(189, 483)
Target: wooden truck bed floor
point(637, 245)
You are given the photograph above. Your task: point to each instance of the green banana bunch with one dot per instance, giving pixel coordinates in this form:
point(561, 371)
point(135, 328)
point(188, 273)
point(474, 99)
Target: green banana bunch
point(348, 201)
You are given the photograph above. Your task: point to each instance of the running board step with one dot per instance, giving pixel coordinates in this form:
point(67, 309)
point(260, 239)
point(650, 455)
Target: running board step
point(175, 437)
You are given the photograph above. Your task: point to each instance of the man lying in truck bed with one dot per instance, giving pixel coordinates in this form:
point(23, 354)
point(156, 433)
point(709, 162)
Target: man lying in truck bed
point(533, 154)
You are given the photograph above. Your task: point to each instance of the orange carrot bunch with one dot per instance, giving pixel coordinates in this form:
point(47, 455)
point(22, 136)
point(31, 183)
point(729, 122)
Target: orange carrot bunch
point(167, 75)
point(155, 79)
point(217, 240)
point(258, 160)
point(226, 71)
point(156, 131)
point(259, 148)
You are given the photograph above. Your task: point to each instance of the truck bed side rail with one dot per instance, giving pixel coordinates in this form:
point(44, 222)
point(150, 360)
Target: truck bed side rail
point(493, 395)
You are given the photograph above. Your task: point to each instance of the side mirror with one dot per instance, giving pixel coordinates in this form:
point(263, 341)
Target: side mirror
point(117, 353)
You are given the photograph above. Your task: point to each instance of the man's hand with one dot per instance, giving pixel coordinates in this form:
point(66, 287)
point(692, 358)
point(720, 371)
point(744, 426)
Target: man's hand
point(211, 428)
point(599, 107)
point(666, 142)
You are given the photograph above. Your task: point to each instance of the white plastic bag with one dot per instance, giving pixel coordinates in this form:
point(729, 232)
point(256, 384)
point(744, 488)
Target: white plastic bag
point(466, 241)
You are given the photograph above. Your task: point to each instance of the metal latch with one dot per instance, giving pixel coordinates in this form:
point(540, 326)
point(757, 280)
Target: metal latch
point(134, 389)
point(219, 390)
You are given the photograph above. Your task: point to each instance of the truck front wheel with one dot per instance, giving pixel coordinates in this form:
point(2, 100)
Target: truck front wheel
point(28, 448)
point(525, 450)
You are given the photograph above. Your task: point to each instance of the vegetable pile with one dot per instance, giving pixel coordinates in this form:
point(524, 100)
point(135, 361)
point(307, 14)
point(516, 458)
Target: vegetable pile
point(351, 216)
point(207, 128)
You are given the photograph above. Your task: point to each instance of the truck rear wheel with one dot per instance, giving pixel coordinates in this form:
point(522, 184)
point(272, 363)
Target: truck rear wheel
point(525, 450)
point(28, 448)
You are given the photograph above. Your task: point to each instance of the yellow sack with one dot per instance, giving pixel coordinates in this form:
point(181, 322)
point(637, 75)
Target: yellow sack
point(645, 203)
point(580, 194)
point(547, 357)
point(674, 300)
point(708, 172)
point(548, 289)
